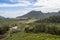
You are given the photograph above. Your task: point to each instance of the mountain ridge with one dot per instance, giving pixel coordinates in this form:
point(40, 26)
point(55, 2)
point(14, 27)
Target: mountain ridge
point(38, 14)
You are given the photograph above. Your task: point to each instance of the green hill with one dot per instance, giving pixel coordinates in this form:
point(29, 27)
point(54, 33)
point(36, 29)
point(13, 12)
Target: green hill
point(38, 14)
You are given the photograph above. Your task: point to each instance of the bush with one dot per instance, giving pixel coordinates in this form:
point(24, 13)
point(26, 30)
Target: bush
point(46, 28)
point(29, 29)
point(4, 29)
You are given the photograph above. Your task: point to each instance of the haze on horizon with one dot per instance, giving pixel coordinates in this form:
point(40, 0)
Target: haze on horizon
point(14, 8)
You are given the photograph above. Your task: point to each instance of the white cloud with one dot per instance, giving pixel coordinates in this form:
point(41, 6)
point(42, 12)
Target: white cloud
point(13, 5)
point(48, 4)
point(40, 2)
point(20, 3)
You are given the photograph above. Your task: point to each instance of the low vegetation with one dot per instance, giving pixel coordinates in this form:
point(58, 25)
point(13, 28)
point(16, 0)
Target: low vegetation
point(43, 29)
point(33, 36)
point(51, 28)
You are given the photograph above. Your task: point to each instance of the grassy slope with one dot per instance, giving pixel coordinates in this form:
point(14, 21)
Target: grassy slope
point(31, 20)
point(32, 36)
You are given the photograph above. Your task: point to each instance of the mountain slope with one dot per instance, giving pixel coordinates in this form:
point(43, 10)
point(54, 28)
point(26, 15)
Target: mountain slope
point(38, 14)
point(51, 19)
point(2, 17)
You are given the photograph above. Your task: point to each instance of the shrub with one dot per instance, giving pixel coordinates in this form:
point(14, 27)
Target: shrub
point(46, 28)
point(4, 29)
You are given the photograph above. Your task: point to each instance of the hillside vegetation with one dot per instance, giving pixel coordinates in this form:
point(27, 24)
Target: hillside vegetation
point(33, 29)
point(51, 19)
point(39, 30)
point(47, 25)
point(32, 36)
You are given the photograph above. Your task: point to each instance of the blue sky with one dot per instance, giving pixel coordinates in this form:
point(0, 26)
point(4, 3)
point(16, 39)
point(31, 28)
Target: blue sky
point(14, 8)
